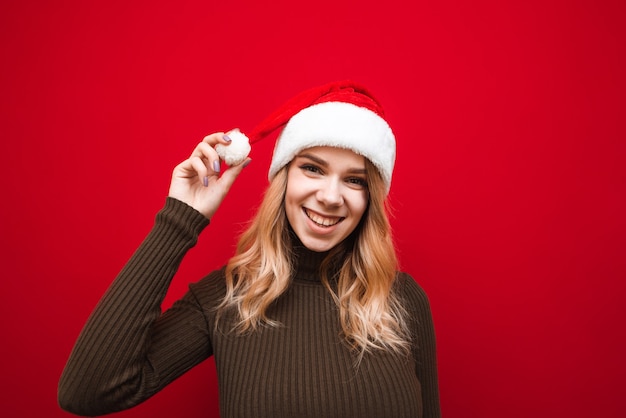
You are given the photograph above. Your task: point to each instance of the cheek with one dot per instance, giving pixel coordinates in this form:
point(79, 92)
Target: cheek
point(359, 204)
point(290, 189)
point(292, 192)
point(293, 199)
point(299, 187)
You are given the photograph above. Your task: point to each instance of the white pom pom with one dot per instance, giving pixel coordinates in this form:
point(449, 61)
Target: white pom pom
point(237, 150)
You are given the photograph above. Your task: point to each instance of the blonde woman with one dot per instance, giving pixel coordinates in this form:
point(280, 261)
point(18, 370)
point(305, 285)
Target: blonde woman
point(310, 317)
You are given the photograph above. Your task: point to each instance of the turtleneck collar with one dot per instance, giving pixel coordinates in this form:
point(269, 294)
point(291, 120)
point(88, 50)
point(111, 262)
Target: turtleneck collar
point(307, 263)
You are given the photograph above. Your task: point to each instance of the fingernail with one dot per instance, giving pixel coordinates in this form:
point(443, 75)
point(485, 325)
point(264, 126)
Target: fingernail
point(205, 181)
point(216, 166)
point(245, 163)
point(226, 138)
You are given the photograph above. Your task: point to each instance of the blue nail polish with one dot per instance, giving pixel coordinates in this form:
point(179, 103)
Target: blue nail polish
point(216, 166)
point(226, 138)
point(245, 163)
point(205, 181)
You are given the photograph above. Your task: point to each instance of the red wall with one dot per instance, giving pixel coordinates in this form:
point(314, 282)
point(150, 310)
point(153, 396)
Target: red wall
point(509, 190)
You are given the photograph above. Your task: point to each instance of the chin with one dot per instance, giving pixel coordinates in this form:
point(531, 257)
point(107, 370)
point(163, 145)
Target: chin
point(317, 245)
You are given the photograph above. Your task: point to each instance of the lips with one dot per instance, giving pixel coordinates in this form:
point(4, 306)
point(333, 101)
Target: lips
point(323, 221)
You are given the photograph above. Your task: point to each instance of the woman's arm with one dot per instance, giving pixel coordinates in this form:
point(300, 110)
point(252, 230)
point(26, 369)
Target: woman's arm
point(424, 345)
point(124, 353)
point(127, 350)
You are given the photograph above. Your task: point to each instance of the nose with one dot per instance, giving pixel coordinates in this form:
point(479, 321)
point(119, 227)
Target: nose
point(330, 193)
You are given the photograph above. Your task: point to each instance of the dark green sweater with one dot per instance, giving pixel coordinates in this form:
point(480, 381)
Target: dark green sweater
point(128, 350)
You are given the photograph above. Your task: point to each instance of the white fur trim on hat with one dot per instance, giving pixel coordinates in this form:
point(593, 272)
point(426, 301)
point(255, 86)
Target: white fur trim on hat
point(341, 125)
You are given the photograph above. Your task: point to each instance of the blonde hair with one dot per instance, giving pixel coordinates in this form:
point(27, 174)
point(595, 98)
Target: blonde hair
point(370, 313)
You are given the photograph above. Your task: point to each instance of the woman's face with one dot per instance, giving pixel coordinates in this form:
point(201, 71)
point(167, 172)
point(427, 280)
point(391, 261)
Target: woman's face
point(326, 195)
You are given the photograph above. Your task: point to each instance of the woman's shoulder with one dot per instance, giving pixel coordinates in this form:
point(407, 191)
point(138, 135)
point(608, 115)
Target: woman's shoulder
point(411, 291)
point(210, 288)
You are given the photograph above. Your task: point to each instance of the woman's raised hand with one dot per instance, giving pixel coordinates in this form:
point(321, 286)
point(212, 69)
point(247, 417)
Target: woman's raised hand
point(197, 180)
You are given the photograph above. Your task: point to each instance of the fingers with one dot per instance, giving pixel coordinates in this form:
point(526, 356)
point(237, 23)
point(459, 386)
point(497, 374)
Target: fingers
point(202, 162)
point(229, 176)
point(199, 180)
point(216, 138)
point(199, 167)
point(205, 163)
point(206, 149)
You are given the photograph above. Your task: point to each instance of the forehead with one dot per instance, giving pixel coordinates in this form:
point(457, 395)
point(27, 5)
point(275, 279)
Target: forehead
point(333, 155)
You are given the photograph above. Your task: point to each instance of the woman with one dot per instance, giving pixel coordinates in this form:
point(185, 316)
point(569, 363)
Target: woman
point(310, 317)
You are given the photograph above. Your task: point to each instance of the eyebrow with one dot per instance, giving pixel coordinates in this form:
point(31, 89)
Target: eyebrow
point(325, 164)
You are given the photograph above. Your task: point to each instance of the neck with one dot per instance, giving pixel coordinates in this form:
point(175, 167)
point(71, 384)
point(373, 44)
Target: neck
point(307, 263)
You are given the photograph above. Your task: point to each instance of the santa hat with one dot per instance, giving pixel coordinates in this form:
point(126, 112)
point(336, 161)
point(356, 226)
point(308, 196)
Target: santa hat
point(340, 114)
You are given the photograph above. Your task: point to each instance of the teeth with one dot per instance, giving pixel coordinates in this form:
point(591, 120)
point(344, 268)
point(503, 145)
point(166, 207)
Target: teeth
point(321, 220)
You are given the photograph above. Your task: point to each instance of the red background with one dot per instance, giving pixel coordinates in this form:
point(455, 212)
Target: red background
point(508, 191)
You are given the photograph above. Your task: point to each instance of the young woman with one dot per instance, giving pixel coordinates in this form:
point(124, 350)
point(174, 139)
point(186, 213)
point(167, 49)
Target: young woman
point(310, 318)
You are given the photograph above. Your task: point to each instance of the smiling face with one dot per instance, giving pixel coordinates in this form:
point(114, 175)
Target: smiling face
point(326, 195)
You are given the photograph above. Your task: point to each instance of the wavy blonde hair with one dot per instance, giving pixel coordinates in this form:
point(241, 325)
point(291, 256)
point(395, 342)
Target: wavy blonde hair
point(370, 312)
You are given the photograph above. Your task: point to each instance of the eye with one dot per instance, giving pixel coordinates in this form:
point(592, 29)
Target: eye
point(310, 168)
point(357, 181)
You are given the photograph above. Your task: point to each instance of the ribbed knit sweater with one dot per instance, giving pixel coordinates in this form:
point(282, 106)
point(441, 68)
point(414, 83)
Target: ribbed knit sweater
point(129, 350)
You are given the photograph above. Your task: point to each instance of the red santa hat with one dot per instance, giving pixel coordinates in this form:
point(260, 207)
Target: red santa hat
point(340, 114)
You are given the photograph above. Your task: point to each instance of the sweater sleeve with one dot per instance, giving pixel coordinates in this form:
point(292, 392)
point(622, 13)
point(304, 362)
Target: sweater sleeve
point(127, 351)
point(424, 344)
